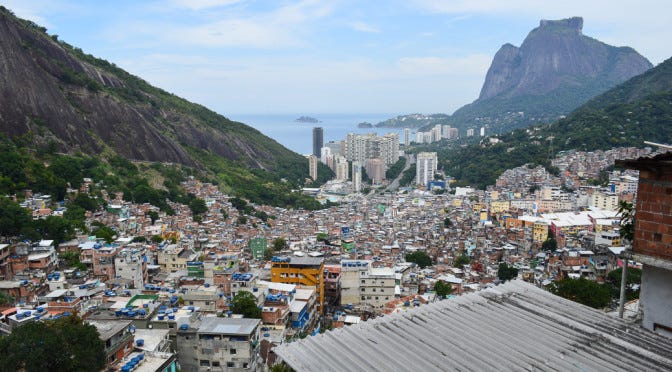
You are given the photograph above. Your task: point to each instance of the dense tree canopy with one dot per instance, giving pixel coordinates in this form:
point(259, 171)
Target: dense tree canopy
point(244, 303)
point(583, 291)
point(506, 272)
point(461, 260)
point(420, 258)
point(443, 289)
point(65, 344)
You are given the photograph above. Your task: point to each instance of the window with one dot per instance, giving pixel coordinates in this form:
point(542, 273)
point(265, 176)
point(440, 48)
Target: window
point(363, 281)
point(230, 364)
point(374, 289)
point(376, 298)
point(215, 364)
point(233, 351)
point(246, 365)
point(363, 298)
point(204, 363)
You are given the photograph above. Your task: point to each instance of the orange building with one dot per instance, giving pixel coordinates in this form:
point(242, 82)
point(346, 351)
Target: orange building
point(305, 271)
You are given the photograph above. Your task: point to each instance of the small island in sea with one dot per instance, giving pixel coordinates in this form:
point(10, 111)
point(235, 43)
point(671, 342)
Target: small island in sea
point(306, 119)
point(364, 124)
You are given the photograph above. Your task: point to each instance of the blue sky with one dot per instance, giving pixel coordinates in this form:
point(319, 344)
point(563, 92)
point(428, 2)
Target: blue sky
point(331, 56)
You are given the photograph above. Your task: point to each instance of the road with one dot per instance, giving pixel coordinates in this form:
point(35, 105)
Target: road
point(394, 185)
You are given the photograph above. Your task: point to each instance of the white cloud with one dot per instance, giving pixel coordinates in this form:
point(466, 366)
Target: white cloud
point(363, 27)
point(284, 26)
point(476, 64)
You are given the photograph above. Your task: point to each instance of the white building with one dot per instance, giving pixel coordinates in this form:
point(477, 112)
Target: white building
point(362, 284)
point(129, 265)
point(604, 200)
point(359, 147)
point(407, 136)
point(312, 166)
point(426, 165)
point(356, 176)
point(342, 172)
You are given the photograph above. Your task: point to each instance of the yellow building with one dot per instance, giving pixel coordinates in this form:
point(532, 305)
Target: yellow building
point(499, 206)
point(306, 271)
point(540, 232)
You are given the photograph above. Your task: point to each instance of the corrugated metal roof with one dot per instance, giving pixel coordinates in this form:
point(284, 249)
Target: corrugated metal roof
point(513, 326)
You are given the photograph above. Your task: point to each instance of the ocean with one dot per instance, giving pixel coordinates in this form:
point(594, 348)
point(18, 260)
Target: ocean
point(298, 137)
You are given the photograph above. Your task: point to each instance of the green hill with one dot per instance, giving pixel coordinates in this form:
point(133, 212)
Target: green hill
point(54, 98)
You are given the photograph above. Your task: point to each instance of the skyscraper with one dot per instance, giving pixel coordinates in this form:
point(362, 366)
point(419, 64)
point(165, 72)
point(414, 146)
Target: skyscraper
point(312, 166)
point(318, 140)
point(426, 165)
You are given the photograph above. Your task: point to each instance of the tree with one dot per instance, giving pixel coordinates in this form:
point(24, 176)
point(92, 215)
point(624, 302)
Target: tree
point(6, 300)
point(12, 217)
point(583, 291)
point(443, 289)
point(420, 258)
point(550, 244)
point(506, 272)
point(153, 215)
point(461, 260)
point(279, 244)
point(634, 278)
point(197, 206)
point(104, 232)
point(65, 344)
point(71, 259)
point(627, 221)
point(245, 303)
point(322, 237)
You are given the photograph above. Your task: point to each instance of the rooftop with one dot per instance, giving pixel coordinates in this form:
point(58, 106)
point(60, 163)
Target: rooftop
point(512, 326)
point(228, 326)
point(109, 328)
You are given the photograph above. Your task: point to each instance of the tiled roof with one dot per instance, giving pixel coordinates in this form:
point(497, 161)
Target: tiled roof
point(512, 326)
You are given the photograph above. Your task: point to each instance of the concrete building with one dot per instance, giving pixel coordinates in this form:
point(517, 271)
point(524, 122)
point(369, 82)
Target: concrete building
point(174, 257)
point(356, 176)
point(407, 136)
point(426, 165)
point(470, 132)
point(375, 169)
point(334, 147)
point(130, 265)
point(305, 271)
point(342, 171)
point(604, 200)
point(205, 297)
point(117, 338)
point(318, 140)
point(312, 166)
point(361, 284)
point(218, 344)
point(359, 147)
point(653, 238)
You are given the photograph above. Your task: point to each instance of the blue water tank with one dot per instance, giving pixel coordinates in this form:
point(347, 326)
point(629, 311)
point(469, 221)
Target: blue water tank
point(161, 317)
point(171, 316)
point(140, 342)
point(184, 327)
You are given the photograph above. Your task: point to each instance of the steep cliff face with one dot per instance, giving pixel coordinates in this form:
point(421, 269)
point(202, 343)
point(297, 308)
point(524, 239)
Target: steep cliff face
point(53, 92)
point(555, 70)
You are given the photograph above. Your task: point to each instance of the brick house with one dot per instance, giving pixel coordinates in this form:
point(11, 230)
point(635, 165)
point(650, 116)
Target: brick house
point(652, 245)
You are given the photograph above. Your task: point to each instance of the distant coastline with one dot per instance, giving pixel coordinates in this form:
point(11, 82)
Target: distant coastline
point(365, 124)
point(307, 119)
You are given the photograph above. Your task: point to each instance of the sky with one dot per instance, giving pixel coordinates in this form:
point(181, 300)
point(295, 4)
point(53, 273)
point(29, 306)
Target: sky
point(330, 56)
